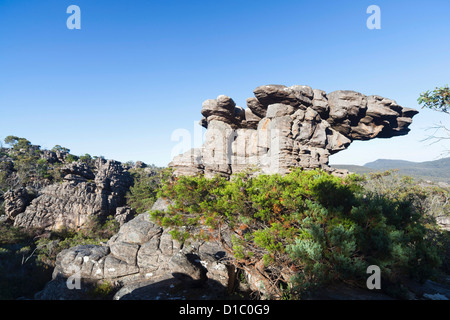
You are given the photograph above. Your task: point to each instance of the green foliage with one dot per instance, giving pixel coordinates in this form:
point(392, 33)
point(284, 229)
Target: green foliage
point(58, 148)
point(94, 233)
point(102, 291)
point(17, 143)
point(142, 194)
point(426, 202)
point(27, 260)
point(86, 158)
point(71, 158)
point(43, 170)
point(320, 227)
point(29, 165)
point(438, 99)
point(17, 264)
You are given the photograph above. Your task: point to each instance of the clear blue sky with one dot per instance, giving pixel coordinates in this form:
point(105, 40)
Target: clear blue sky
point(138, 70)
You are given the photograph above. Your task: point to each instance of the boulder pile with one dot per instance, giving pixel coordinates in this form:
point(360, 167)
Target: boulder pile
point(144, 262)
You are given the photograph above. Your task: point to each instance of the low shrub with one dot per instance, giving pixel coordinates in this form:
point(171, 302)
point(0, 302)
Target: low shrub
point(306, 228)
point(27, 257)
point(94, 232)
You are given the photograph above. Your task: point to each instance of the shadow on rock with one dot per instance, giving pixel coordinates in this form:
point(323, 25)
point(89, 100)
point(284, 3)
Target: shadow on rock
point(175, 286)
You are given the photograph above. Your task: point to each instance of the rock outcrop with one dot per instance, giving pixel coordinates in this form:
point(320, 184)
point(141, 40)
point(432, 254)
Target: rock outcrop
point(82, 194)
point(141, 259)
point(285, 127)
point(16, 201)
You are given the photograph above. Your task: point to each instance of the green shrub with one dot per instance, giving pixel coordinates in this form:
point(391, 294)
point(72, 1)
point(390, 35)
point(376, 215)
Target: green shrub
point(142, 194)
point(94, 232)
point(71, 158)
point(307, 227)
point(20, 275)
point(104, 290)
point(27, 165)
point(27, 257)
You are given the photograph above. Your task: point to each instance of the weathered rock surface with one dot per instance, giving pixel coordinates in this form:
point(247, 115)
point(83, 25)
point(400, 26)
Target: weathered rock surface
point(16, 202)
point(78, 169)
point(286, 127)
point(124, 214)
point(143, 260)
point(54, 156)
point(82, 195)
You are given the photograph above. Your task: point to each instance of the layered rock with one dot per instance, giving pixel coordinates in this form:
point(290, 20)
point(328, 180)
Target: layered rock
point(54, 156)
point(81, 196)
point(287, 127)
point(16, 201)
point(141, 257)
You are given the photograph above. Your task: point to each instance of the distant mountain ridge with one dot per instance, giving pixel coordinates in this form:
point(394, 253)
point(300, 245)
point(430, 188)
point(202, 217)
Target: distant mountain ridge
point(437, 170)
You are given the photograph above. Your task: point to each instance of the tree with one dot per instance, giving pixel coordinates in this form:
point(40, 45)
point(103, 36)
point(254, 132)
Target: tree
point(17, 143)
point(60, 149)
point(438, 100)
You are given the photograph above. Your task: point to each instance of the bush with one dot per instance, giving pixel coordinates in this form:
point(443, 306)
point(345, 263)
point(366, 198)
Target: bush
point(71, 158)
point(25, 165)
point(93, 233)
point(20, 275)
point(307, 228)
point(142, 194)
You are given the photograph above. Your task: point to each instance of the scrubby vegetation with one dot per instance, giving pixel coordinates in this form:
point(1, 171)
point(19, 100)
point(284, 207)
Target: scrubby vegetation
point(27, 165)
point(299, 231)
point(24, 163)
point(309, 228)
point(143, 192)
point(27, 257)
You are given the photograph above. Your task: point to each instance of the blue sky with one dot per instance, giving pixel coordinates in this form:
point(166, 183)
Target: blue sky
point(138, 70)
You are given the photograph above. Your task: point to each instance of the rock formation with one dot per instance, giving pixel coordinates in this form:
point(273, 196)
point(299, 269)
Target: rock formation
point(80, 196)
point(141, 258)
point(285, 127)
point(16, 201)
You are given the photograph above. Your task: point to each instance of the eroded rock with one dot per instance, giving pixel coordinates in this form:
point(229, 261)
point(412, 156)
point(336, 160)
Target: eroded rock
point(81, 196)
point(142, 254)
point(287, 127)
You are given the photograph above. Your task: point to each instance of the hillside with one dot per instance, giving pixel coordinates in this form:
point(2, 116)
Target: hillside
point(437, 170)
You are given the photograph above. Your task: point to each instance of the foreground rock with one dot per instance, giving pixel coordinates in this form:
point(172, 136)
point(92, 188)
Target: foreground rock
point(144, 262)
point(285, 127)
